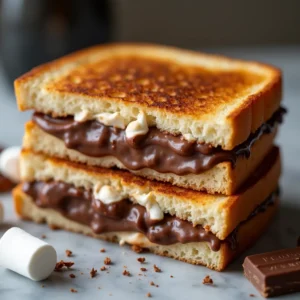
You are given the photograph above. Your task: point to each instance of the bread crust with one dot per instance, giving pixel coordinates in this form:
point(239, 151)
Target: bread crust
point(220, 214)
point(194, 253)
point(221, 179)
point(223, 102)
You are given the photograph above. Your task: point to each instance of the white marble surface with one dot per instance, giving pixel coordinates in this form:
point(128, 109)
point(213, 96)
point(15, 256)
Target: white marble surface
point(186, 284)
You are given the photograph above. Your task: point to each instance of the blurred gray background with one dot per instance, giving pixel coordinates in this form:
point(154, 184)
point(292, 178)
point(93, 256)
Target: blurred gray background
point(196, 23)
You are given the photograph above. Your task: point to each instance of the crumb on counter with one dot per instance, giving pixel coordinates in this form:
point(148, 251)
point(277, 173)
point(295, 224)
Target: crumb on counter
point(93, 273)
point(156, 269)
point(61, 264)
point(207, 280)
point(141, 259)
point(126, 273)
point(107, 261)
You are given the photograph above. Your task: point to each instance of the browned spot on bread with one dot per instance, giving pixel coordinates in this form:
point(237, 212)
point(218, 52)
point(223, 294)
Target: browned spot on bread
point(157, 83)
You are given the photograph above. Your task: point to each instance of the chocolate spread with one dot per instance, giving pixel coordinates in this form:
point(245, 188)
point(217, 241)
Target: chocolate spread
point(157, 150)
point(80, 205)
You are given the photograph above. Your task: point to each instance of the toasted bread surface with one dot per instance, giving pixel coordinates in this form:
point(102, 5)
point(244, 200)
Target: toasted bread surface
point(212, 99)
point(195, 253)
point(219, 214)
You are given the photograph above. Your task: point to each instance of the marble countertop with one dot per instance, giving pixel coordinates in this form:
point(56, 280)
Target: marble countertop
point(187, 279)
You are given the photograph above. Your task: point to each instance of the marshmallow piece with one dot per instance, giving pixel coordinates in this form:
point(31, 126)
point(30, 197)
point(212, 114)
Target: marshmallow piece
point(1, 213)
point(82, 116)
point(109, 119)
point(138, 127)
point(10, 163)
point(152, 207)
point(107, 194)
point(134, 239)
point(26, 254)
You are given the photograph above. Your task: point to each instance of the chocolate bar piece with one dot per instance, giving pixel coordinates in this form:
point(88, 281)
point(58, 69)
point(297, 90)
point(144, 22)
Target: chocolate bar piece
point(274, 273)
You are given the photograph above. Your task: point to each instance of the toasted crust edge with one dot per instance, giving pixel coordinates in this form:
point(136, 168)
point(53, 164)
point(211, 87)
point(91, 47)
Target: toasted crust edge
point(255, 110)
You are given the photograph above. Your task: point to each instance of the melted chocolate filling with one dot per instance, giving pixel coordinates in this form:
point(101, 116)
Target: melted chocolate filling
point(157, 150)
point(79, 205)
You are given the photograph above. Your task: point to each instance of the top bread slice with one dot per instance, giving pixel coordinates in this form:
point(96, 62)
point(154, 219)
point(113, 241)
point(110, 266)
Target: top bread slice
point(208, 98)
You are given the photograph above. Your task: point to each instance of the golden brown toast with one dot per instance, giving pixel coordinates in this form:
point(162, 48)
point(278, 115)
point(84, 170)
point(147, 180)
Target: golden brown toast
point(209, 98)
point(217, 213)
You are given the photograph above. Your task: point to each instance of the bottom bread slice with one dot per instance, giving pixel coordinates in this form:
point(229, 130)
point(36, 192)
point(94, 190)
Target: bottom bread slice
point(199, 253)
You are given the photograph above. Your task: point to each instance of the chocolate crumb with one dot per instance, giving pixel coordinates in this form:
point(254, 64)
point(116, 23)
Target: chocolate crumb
point(156, 269)
point(93, 273)
point(72, 275)
point(171, 276)
point(207, 280)
point(141, 259)
point(69, 253)
point(73, 291)
point(152, 283)
point(126, 273)
point(107, 261)
point(102, 250)
point(252, 295)
point(143, 269)
point(137, 249)
point(59, 265)
point(103, 268)
point(149, 295)
point(43, 236)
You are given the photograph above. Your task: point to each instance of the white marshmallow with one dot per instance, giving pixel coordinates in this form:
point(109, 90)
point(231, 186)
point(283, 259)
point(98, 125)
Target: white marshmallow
point(26, 254)
point(189, 137)
point(152, 207)
point(137, 127)
point(134, 239)
point(10, 163)
point(1, 213)
point(107, 194)
point(109, 119)
point(82, 116)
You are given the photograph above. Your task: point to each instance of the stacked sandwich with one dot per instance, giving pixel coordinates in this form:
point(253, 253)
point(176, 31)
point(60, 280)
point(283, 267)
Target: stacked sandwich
point(156, 147)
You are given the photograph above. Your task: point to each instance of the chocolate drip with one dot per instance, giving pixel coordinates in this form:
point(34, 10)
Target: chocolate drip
point(156, 150)
point(80, 205)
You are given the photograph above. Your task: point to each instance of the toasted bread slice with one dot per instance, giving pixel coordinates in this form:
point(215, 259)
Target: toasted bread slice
point(195, 253)
point(211, 99)
point(222, 179)
point(216, 213)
